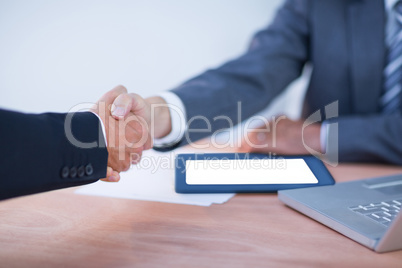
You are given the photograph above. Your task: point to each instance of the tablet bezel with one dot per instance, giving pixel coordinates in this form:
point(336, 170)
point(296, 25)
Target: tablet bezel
point(316, 166)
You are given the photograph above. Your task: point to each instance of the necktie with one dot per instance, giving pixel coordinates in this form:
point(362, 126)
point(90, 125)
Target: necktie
point(391, 97)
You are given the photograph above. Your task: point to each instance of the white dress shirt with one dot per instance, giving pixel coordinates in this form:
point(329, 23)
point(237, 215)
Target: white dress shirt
point(178, 119)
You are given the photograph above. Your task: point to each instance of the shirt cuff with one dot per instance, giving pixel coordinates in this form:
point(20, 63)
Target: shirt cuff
point(324, 136)
point(103, 127)
point(178, 118)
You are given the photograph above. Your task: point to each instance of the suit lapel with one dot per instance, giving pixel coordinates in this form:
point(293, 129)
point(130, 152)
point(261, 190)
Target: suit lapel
point(367, 46)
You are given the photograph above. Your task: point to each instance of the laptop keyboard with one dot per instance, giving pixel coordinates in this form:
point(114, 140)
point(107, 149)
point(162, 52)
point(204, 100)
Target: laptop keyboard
point(383, 212)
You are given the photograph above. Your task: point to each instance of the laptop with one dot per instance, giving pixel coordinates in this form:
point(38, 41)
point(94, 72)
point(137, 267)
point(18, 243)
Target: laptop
point(367, 211)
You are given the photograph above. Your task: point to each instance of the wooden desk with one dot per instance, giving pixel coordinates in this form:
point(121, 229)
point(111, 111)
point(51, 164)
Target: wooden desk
point(61, 229)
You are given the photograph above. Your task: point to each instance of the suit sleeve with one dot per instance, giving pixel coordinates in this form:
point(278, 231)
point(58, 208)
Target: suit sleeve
point(246, 85)
point(38, 154)
point(371, 138)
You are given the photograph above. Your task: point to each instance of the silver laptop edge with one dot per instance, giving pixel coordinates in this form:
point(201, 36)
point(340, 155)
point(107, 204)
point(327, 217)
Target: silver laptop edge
point(307, 201)
point(328, 221)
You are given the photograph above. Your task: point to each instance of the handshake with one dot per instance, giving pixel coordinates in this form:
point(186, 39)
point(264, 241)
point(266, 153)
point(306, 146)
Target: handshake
point(126, 118)
point(131, 123)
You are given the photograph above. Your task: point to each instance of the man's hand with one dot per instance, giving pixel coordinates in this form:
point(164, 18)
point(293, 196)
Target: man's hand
point(127, 134)
point(131, 123)
point(283, 136)
point(153, 111)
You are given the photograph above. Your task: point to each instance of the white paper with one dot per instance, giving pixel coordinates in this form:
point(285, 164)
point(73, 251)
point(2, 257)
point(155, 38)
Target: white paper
point(152, 180)
point(248, 171)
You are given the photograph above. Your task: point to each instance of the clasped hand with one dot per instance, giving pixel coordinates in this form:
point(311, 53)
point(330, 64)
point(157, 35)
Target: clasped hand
point(126, 118)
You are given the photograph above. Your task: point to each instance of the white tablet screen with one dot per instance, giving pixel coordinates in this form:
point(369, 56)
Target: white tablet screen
point(248, 171)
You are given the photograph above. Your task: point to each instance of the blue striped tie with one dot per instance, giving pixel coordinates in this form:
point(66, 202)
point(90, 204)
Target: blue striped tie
point(391, 97)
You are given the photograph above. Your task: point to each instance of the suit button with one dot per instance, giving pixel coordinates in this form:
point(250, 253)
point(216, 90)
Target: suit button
point(89, 170)
point(73, 172)
point(81, 171)
point(65, 172)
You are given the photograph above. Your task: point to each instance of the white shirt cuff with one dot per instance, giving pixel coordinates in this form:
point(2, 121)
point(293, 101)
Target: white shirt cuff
point(103, 127)
point(178, 119)
point(324, 136)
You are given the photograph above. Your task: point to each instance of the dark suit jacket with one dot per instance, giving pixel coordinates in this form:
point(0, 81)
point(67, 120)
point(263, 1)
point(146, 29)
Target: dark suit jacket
point(344, 42)
point(36, 156)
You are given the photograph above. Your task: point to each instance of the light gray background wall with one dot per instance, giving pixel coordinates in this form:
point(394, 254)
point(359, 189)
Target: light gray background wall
point(57, 54)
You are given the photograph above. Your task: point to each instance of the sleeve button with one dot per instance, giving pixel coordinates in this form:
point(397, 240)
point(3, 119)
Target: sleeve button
point(81, 171)
point(73, 172)
point(89, 170)
point(65, 172)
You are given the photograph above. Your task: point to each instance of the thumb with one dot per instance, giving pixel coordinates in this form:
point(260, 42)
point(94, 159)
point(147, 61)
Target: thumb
point(121, 106)
point(130, 102)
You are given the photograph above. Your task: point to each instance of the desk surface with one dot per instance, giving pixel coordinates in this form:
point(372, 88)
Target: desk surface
point(63, 229)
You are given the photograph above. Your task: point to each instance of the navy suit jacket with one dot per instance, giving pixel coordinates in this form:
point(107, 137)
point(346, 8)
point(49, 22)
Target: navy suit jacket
point(344, 41)
point(36, 156)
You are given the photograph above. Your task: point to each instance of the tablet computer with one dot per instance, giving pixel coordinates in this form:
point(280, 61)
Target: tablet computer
point(247, 173)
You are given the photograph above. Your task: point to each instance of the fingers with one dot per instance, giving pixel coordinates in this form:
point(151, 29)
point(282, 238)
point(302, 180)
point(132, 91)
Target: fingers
point(139, 119)
point(135, 157)
point(256, 140)
point(111, 175)
point(127, 142)
point(103, 105)
point(125, 102)
point(141, 127)
point(141, 109)
point(111, 95)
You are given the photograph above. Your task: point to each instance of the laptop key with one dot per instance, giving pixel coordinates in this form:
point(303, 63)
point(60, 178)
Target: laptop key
point(375, 217)
point(385, 204)
point(367, 211)
point(384, 212)
point(393, 212)
point(387, 219)
point(388, 214)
